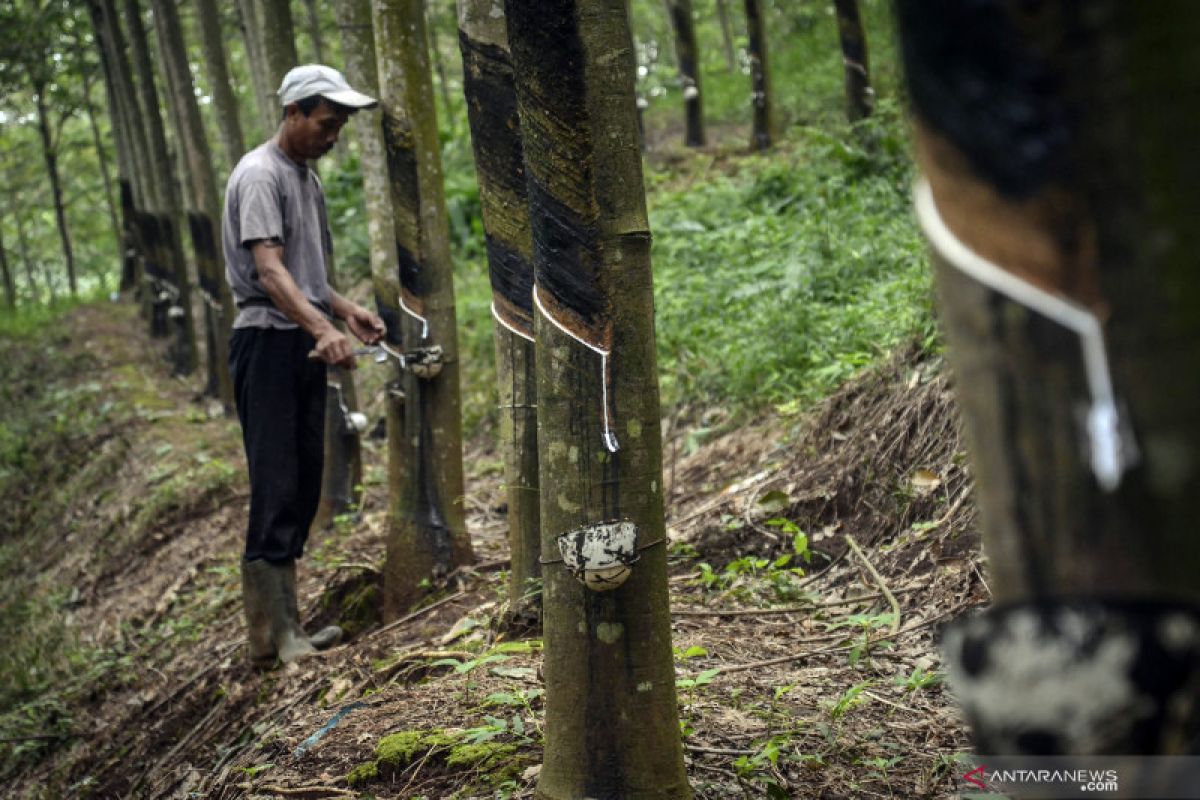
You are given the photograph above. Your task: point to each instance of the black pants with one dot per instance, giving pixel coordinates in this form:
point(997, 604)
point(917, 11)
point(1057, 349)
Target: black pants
point(281, 404)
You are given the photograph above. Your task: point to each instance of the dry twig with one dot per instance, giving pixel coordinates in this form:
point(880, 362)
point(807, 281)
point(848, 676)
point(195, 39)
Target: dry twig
point(879, 581)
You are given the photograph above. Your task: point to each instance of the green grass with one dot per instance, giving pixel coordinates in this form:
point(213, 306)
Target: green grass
point(777, 283)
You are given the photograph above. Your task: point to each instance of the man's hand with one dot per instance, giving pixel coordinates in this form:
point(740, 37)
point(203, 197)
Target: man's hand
point(367, 326)
point(335, 349)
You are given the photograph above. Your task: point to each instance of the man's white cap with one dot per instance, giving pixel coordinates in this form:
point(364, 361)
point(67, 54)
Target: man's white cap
point(318, 79)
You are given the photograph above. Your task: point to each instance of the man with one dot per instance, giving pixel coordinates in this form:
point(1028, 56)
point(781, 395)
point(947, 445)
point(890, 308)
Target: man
point(275, 234)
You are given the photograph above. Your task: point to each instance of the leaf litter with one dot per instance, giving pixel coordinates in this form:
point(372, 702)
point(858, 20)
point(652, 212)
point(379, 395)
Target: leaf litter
point(792, 682)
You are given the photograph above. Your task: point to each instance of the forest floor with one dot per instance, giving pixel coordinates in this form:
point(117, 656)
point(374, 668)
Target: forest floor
point(125, 504)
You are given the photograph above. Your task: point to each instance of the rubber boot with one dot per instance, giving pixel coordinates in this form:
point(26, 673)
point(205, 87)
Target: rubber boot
point(258, 619)
point(326, 637)
point(269, 586)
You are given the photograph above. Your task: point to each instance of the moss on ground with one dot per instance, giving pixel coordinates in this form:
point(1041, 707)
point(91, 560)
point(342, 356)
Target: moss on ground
point(496, 761)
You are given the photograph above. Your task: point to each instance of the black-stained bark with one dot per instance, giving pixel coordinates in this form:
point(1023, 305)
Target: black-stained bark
point(687, 53)
point(173, 279)
point(428, 535)
point(860, 97)
point(203, 213)
point(10, 286)
point(1059, 200)
point(761, 98)
point(499, 164)
point(611, 717)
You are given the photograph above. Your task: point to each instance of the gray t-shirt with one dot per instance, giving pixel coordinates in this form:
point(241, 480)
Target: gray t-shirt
point(271, 196)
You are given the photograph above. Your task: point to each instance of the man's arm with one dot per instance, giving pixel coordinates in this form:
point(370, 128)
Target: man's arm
point(332, 345)
point(366, 325)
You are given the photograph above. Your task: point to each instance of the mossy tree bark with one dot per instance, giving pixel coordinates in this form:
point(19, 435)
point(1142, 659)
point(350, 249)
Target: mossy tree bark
point(429, 536)
point(687, 53)
point(202, 199)
point(860, 97)
point(496, 138)
point(612, 725)
point(763, 132)
point(361, 69)
point(224, 102)
point(165, 236)
point(1060, 165)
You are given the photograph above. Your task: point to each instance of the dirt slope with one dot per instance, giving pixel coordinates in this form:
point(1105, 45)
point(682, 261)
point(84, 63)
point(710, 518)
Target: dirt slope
point(796, 678)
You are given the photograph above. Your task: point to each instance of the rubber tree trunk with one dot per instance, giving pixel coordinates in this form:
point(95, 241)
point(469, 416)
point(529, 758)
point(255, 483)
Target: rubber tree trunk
point(726, 35)
point(278, 43)
point(265, 99)
point(204, 209)
point(496, 138)
point(361, 69)
point(761, 98)
point(429, 535)
point(50, 156)
point(102, 159)
point(1061, 209)
point(439, 67)
point(860, 97)
point(224, 102)
point(313, 19)
point(14, 211)
point(687, 53)
point(10, 286)
point(174, 287)
point(612, 725)
point(130, 149)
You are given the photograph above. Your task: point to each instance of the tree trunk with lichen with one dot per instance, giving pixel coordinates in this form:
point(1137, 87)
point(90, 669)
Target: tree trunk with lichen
point(763, 132)
point(428, 536)
point(860, 97)
point(687, 53)
point(358, 49)
point(612, 724)
point(204, 210)
point(224, 102)
point(496, 138)
point(172, 285)
point(1060, 206)
point(361, 69)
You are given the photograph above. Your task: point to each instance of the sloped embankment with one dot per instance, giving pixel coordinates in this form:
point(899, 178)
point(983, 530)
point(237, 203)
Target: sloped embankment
point(805, 669)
